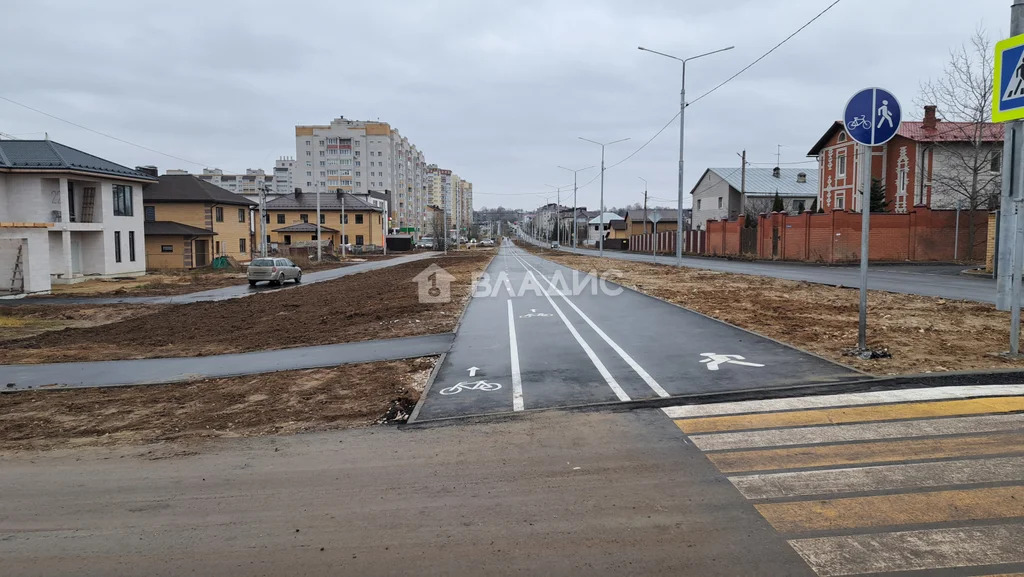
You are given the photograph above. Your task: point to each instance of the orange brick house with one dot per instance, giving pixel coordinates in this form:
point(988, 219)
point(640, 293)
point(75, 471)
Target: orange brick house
point(919, 166)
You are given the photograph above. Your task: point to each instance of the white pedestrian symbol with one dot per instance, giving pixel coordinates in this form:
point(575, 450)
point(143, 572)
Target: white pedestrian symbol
point(713, 360)
point(1013, 90)
point(885, 113)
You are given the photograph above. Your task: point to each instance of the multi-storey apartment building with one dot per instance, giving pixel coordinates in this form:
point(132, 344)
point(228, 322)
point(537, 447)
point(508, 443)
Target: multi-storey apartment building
point(283, 180)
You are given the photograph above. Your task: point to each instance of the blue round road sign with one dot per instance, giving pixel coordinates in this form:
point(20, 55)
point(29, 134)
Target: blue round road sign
point(872, 116)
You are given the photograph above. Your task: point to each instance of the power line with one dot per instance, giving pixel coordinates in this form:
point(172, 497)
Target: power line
point(110, 136)
point(765, 55)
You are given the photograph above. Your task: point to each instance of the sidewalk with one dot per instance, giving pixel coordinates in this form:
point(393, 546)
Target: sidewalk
point(159, 371)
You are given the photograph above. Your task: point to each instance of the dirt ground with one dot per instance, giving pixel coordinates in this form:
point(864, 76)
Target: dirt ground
point(377, 304)
point(269, 404)
point(923, 334)
point(29, 320)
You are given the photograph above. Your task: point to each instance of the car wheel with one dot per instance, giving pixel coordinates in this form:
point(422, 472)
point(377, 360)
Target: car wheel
point(298, 277)
point(253, 283)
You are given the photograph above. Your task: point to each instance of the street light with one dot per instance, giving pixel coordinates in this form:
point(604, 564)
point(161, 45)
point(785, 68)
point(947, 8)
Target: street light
point(558, 212)
point(682, 124)
point(644, 231)
point(600, 237)
point(574, 188)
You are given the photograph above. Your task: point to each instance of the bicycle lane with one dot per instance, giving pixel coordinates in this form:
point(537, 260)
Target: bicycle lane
point(512, 336)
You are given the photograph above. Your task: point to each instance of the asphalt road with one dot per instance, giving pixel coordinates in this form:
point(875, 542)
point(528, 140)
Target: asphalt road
point(175, 370)
point(540, 335)
point(943, 281)
point(549, 494)
point(220, 294)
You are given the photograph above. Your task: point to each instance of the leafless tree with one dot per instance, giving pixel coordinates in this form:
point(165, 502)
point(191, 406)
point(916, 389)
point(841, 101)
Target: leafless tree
point(963, 94)
point(437, 229)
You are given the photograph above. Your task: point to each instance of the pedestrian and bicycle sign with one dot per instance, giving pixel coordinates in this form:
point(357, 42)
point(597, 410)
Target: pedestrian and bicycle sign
point(872, 116)
point(1008, 92)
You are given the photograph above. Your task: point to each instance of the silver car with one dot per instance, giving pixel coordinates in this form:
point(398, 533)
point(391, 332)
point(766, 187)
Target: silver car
point(273, 270)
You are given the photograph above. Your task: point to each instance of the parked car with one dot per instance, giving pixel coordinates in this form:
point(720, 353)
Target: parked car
point(554, 244)
point(273, 270)
point(487, 242)
point(425, 242)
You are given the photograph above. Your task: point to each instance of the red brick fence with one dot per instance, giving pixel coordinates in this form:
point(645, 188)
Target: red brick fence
point(920, 235)
point(665, 243)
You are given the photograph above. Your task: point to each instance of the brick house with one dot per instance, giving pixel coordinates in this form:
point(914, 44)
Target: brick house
point(929, 163)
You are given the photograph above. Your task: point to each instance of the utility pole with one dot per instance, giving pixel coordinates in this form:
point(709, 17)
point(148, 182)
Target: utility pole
point(318, 254)
point(602, 231)
point(263, 220)
point(743, 181)
point(575, 225)
point(1011, 229)
point(343, 241)
point(645, 205)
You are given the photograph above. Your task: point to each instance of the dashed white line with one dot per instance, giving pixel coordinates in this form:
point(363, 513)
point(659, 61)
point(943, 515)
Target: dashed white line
point(647, 378)
point(517, 379)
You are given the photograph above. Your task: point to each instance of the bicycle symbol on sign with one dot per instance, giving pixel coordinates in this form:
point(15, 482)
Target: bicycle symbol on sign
point(468, 386)
point(859, 121)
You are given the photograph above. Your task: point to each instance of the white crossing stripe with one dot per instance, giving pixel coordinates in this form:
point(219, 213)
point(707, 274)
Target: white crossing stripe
point(880, 478)
point(844, 400)
point(930, 549)
point(857, 432)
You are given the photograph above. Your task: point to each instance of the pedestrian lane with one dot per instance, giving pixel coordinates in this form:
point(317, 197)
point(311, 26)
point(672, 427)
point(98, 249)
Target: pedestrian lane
point(909, 482)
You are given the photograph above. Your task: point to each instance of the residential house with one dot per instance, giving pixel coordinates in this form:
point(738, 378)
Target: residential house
point(727, 192)
point(66, 215)
point(190, 221)
point(292, 219)
point(594, 226)
point(930, 163)
point(637, 222)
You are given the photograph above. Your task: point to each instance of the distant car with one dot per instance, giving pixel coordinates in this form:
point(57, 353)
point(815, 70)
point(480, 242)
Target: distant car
point(273, 270)
point(425, 242)
point(472, 242)
point(554, 244)
point(487, 242)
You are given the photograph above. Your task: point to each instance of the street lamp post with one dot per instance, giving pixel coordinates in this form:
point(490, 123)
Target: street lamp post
point(575, 227)
point(600, 237)
point(558, 213)
point(682, 125)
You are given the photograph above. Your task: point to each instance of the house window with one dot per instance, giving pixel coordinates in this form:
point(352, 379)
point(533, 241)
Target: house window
point(995, 164)
point(219, 213)
point(304, 217)
point(241, 245)
point(359, 219)
point(719, 202)
point(241, 215)
point(280, 218)
point(346, 240)
point(131, 245)
point(150, 213)
point(322, 218)
point(344, 219)
point(167, 248)
point(122, 200)
point(117, 246)
point(287, 239)
point(840, 201)
point(842, 137)
point(359, 240)
point(216, 247)
point(266, 217)
point(698, 206)
point(841, 165)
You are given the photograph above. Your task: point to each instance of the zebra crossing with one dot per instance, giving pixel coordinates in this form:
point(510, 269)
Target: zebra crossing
point(910, 482)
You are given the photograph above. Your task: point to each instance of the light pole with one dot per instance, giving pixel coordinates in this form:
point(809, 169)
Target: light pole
point(682, 124)
point(558, 213)
point(645, 204)
point(600, 238)
point(574, 188)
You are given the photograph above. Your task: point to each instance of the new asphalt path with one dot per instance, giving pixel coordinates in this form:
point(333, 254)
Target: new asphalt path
point(540, 335)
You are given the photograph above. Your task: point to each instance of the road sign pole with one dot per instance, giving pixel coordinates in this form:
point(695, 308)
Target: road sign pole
point(865, 237)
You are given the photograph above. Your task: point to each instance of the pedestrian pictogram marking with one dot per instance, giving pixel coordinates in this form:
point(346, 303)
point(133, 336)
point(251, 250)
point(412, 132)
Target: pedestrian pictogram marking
point(1008, 92)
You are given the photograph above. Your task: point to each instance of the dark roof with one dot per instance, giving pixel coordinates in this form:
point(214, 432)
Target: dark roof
point(50, 155)
point(189, 188)
point(328, 201)
point(618, 224)
point(663, 213)
point(305, 227)
point(170, 228)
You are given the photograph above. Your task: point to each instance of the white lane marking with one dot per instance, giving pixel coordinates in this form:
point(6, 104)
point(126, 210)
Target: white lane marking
point(928, 549)
point(655, 386)
point(513, 345)
point(880, 478)
point(586, 348)
point(858, 432)
point(845, 400)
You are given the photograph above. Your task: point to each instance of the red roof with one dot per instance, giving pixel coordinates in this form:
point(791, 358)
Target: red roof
point(950, 132)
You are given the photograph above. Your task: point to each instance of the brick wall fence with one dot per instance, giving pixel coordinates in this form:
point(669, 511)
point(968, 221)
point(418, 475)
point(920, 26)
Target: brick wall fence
point(920, 235)
point(693, 242)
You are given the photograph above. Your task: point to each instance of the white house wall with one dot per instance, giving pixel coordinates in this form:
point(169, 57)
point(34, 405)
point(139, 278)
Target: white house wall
point(35, 257)
point(708, 191)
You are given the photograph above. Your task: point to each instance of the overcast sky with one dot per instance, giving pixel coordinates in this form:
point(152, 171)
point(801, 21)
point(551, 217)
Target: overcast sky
point(499, 95)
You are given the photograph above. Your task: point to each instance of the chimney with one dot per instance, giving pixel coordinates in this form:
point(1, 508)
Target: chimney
point(298, 191)
point(930, 119)
point(149, 169)
point(777, 172)
point(801, 177)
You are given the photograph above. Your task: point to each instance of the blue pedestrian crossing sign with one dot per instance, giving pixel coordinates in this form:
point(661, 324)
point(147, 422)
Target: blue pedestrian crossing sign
point(872, 116)
point(1008, 92)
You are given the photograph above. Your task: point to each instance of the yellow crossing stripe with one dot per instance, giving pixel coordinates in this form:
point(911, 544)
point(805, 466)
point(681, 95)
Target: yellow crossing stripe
point(869, 452)
point(852, 415)
point(890, 510)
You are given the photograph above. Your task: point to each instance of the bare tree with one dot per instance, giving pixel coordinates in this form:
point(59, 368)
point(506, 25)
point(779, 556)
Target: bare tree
point(967, 168)
point(437, 230)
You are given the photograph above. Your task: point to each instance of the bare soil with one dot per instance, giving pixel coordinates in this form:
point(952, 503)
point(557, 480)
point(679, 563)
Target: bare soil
point(23, 321)
point(377, 304)
point(269, 404)
point(923, 334)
